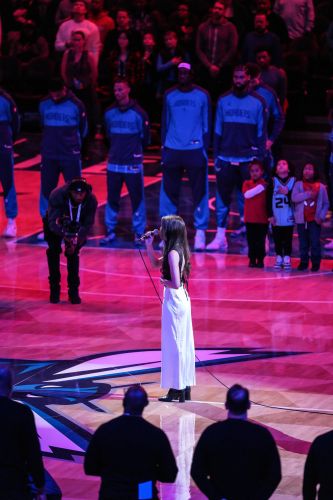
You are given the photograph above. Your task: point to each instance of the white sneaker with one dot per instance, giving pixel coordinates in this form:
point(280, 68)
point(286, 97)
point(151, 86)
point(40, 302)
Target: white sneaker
point(287, 263)
point(11, 229)
point(329, 245)
point(220, 241)
point(40, 236)
point(278, 262)
point(200, 240)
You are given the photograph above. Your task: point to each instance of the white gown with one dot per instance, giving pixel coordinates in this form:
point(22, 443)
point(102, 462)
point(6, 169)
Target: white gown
point(178, 356)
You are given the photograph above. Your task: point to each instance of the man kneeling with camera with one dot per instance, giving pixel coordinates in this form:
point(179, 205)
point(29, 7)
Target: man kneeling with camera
point(70, 216)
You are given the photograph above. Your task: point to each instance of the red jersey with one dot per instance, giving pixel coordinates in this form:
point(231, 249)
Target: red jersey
point(255, 210)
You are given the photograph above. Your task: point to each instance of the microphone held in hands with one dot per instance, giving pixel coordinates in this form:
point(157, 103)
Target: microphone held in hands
point(149, 234)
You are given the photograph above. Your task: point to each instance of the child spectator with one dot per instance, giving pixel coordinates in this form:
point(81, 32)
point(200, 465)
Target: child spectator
point(255, 214)
point(311, 205)
point(280, 213)
point(168, 60)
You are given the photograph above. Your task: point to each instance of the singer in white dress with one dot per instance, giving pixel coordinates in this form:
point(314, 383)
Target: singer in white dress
point(178, 355)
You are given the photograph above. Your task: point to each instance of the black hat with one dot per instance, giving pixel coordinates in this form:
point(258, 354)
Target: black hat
point(79, 185)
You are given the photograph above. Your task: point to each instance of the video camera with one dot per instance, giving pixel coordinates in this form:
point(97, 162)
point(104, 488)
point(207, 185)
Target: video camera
point(70, 227)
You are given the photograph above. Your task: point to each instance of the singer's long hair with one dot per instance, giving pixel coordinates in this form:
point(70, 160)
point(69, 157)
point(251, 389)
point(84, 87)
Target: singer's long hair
point(175, 235)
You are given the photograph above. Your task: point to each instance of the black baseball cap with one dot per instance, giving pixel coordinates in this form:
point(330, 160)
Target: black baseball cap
point(79, 185)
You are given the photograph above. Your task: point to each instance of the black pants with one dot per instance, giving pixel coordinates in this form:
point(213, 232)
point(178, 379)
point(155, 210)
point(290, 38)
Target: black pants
point(256, 237)
point(283, 239)
point(309, 241)
point(53, 259)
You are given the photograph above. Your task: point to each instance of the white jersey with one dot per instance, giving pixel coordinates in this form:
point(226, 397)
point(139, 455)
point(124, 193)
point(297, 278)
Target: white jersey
point(281, 203)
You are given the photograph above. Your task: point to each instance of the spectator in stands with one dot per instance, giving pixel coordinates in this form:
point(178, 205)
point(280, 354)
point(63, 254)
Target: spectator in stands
point(9, 129)
point(79, 23)
point(168, 59)
point(271, 75)
point(130, 454)
point(79, 72)
point(28, 58)
point(64, 11)
point(185, 24)
point(236, 458)
point(238, 13)
point(275, 22)
point(262, 38)
point(146, 18)
point(127, 128)
point(185, 141)
point(124, 62)
point(64, 123)
point(146, 92)
point(299, 16)
point(216, 48)
point(42, 13)
point(123, 24)
point(318, 469)
point(99, 16)
point(22, 475)
point(240, 137)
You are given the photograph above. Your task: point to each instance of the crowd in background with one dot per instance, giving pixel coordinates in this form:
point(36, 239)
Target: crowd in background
point(91, 43)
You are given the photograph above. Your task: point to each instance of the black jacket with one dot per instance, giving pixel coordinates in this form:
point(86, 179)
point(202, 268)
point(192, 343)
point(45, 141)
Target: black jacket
point(237, 460)
point(20, 453)
point(127, 451)
point(318, 469)
point(59, 208)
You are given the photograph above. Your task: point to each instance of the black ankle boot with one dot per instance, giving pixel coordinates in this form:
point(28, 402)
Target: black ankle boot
point(55, 294)
point(181, 395)
point(188, 393)
point(173, 395)
point(170, 396)
point(74, 297)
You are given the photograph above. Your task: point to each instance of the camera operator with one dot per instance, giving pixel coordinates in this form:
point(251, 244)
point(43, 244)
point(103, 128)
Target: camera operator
point(70, 216)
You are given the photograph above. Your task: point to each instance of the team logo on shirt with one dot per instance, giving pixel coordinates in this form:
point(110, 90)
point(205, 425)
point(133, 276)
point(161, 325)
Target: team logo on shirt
point(56, 390)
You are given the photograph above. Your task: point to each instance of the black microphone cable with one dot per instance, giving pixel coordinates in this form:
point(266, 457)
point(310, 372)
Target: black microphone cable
point(223, 384)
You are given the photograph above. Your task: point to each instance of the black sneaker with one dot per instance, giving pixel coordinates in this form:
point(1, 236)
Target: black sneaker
point(260, 264)
point(302, 266)
point(315, 268)
point(55, 295)
point(74, 297)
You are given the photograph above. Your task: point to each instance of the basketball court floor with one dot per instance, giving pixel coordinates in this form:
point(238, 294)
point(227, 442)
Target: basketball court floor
point(270, 331)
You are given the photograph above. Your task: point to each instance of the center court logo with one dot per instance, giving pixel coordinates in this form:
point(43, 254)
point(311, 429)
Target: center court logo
point(56, 391)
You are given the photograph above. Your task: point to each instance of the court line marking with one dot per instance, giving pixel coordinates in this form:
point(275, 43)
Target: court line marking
point(198, 299)
point(268, 278)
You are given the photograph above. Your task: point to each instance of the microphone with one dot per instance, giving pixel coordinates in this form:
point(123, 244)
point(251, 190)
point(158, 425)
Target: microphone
point(149, 234)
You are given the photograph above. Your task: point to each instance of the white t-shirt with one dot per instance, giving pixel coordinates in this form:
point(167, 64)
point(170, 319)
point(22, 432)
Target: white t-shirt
point(93, 42)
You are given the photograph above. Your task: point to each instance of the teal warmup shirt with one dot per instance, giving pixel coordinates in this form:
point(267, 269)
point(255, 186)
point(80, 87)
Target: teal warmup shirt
point(281, 203)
